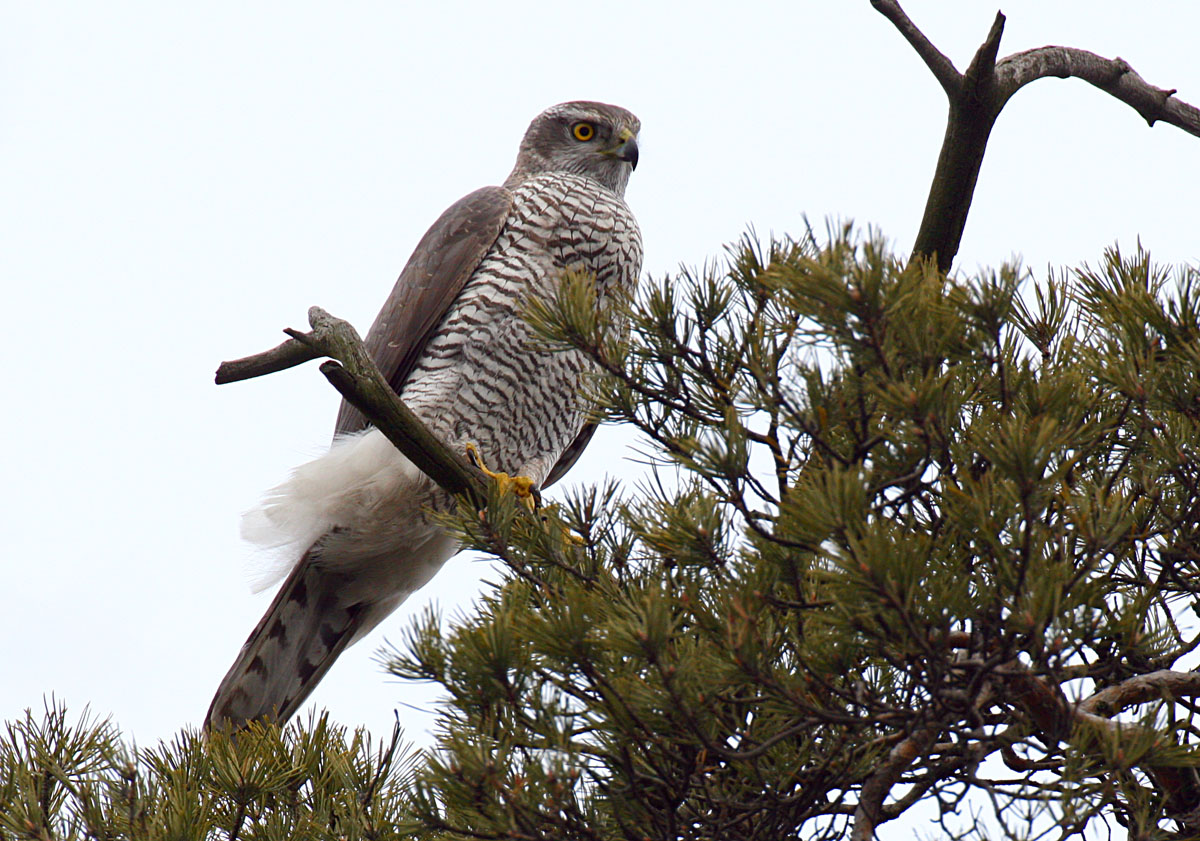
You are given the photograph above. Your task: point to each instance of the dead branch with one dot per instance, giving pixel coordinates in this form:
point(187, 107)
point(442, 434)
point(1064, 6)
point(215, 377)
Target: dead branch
point(1140, 690)
point(976, 99)
point(354, 374)
point(1114, 76)
point(279, 358)
point(942, 68)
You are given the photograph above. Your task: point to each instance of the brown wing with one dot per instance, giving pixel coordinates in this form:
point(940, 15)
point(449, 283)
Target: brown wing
point(570, 455)
point(434, 275)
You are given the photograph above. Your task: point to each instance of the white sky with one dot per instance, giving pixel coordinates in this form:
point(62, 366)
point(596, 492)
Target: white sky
point(181, 181)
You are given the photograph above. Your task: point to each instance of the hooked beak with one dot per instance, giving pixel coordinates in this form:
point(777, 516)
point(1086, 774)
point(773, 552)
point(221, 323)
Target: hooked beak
point(628, 150)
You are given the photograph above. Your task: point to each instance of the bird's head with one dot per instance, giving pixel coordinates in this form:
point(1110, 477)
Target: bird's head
point(585, 138)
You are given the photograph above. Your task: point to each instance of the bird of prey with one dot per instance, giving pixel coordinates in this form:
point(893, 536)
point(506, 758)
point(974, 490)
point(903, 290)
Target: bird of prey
point(453, 343)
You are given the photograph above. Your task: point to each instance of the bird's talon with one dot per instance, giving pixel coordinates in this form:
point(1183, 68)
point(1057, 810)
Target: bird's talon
point(522, 486)
point(525, 490)
point(476, 459)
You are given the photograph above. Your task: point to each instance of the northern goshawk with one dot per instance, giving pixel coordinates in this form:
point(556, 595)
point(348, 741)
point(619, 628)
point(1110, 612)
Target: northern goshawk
point(453, 342)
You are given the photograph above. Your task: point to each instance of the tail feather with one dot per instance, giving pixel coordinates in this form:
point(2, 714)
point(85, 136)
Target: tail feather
point(361, 509)
point(297, 640)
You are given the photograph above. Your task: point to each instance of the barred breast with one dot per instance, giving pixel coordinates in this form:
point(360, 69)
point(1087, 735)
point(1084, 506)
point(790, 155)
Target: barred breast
point(481, 378)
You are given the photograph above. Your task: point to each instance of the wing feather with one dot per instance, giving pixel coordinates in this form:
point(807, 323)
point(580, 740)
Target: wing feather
point(436, 272)
point(571, 454)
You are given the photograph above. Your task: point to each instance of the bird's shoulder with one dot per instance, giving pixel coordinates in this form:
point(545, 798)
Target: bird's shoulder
point(441, 264)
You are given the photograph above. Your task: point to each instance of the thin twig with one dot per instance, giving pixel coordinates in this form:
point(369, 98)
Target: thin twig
point(354, 374)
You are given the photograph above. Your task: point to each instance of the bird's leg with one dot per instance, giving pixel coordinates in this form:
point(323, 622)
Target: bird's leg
point(522, 486)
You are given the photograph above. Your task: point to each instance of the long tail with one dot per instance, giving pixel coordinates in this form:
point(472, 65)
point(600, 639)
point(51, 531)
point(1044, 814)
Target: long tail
point(360, 511)
point(291, 649)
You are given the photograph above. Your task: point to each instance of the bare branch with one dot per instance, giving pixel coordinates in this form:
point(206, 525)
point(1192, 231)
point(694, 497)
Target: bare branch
point(1041, 700)
point(972, 114)
point(980, 75)
point(1114, 76)
point(1140, 690)
point(942, 68)
point(1045, 704)
point(387, 413)
point(976, 99)
point(354, 374)
point(279, 358)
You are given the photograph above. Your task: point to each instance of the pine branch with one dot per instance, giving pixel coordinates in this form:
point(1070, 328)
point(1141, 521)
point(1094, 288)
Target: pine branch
point(1140, 690)
point(870, 810)
point(354, 374)
point(976, 99)
point(1055, 718)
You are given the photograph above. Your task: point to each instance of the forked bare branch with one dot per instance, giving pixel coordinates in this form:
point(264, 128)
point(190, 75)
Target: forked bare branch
point(354, 374)
point(976, 99)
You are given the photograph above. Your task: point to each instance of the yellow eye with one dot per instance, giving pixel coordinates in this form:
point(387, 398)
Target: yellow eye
point(583, 131)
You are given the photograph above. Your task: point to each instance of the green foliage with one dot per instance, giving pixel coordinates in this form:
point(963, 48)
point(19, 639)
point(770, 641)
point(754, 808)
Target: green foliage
point(903, 524)
point(63, 780)
point(910, 540)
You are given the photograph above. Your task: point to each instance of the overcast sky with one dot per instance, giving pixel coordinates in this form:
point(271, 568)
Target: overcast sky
point(181, 181)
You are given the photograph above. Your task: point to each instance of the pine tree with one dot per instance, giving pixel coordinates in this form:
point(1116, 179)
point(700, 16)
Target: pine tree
point(64, 779)
point(928, 537)
point(917, 541)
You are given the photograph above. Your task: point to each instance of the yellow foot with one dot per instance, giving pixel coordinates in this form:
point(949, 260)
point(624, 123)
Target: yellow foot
point(568, 535)
point(522, 486)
